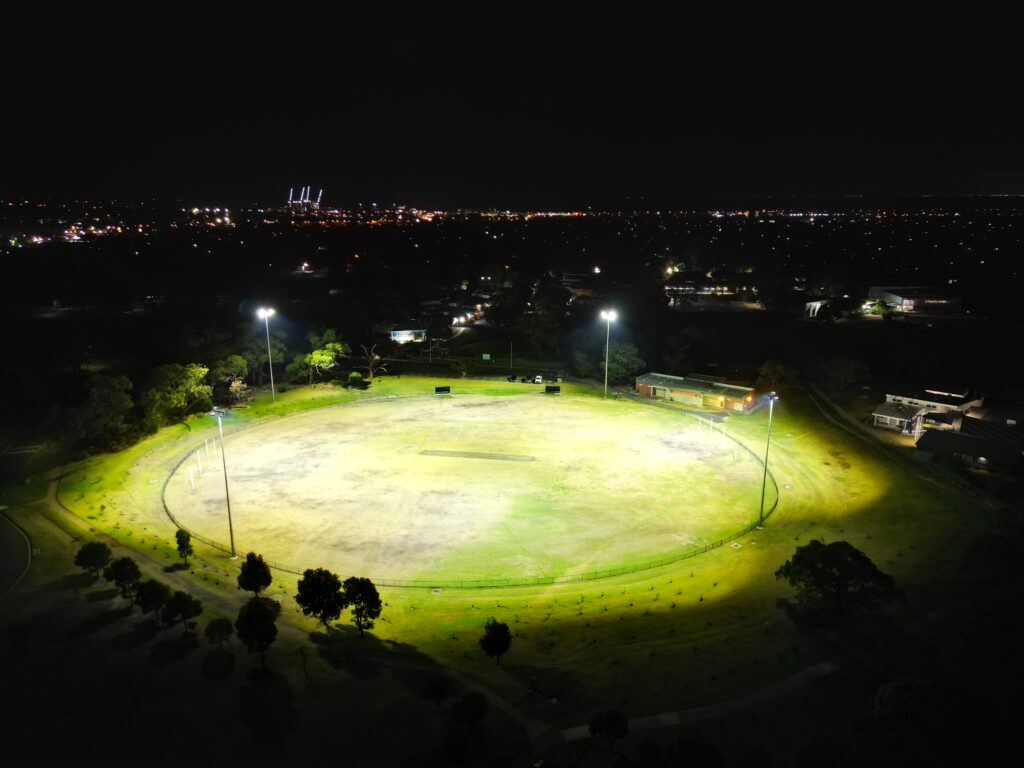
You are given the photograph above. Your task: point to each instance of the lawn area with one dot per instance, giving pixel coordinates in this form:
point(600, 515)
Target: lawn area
point(473, 487)
point(664, 639)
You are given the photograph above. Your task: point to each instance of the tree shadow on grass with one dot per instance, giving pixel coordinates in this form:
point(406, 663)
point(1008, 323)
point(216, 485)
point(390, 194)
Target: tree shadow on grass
point(362, 657)
point(175, 567)
point(173, 649)
point(542, 684)
point(140, 634)
point(218, 664)
point(95, 623)
point(101, 596)
point(344, 650)
point(71, 582)
point(266, 707)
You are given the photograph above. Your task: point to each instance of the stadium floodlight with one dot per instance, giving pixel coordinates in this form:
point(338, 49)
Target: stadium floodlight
point(227, 495)
point(772, 397)
point(608, 315)
point(265, 313)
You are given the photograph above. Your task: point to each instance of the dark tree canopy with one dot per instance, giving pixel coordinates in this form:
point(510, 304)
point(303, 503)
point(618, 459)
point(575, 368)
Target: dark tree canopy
point(255, 575)
point(172, 392)
point(152, 595)
point(837, 575)
point(181, 607)
point(256, 626)
point(219, 631)
point(611, 725)
point(125, 574)
point(496, 640)
point(774, 376)
point(100, 419)
point(184, 541)
point(362, 597)
point(93, 556)
point(320, 595)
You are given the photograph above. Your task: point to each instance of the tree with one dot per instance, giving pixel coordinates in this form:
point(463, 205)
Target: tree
point(583, 365)
point(676, 351)
point(541, 330)
point(219, 631)
point(840, 373)
point(325, 350)
point(611, 725)
point(181, 607)
point(93, 556)
point(835, 575)
point(774, 376)
point(227, 377)
point(623, 361)
point(256, 626)
point(320, 595)
point(503, 314)
point(173, 391)
point(373, 361)
point(100, 419)
point(184, 539)
point(125, 574)
point(254, 350)
point(152, 595)
point(255, 574)
point(362, 597)
point(496, 640)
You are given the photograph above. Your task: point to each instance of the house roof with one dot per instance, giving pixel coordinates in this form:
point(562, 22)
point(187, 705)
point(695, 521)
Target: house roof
point(896, 411)
point(998, 413)
point(698, 383)
point(943, 442)
point(935, 396)
point(993, 431)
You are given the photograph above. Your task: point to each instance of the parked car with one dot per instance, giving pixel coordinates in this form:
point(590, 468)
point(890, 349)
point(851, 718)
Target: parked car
point(538, 379)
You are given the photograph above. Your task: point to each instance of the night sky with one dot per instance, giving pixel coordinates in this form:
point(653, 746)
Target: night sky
point(517, 109)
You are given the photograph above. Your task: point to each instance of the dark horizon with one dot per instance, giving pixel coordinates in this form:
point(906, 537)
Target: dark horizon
point(448, 113)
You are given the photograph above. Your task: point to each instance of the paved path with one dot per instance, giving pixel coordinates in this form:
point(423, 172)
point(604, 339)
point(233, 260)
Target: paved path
point(15, 554)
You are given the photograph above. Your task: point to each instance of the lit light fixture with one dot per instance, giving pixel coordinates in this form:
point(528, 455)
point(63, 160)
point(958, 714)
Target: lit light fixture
point(264, 314)
point(609, 316)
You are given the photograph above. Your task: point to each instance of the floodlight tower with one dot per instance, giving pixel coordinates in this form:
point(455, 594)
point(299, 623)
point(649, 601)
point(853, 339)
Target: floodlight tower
point(772, 397)
point(227, 495)
point(265, 313)
point(608, 315)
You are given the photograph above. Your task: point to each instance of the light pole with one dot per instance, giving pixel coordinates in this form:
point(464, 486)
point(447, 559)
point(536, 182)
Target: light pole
point(227, 495)
point(772, 397)
point(608, 315)
point(266, 314)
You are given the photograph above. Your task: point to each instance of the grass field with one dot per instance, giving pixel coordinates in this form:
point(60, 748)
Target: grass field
point(700, 630)
point(472, 487)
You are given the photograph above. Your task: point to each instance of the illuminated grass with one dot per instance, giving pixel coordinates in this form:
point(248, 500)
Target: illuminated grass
point(363, 489)
point(723, 633)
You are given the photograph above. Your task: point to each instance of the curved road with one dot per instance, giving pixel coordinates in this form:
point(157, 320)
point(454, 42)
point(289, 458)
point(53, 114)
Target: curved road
point(15, 554)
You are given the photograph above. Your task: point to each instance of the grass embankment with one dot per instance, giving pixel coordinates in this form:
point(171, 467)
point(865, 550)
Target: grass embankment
point(660, 640)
